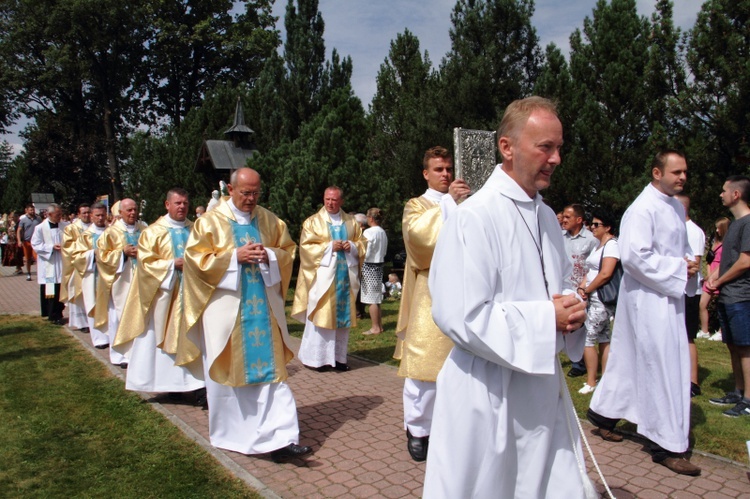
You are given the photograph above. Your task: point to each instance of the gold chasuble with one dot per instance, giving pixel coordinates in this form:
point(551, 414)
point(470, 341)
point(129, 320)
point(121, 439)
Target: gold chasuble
point(109, 254)
point(70, 287)
point(238, 351)
point(314, 240)
point(422, 347)
point(158, 246)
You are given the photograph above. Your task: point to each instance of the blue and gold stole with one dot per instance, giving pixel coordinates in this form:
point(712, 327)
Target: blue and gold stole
point(179, 236)
point(255, 317)
point(343, 312)
point(133, 239)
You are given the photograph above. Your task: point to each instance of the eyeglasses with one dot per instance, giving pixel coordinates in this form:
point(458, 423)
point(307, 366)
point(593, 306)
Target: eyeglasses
point(251, 194)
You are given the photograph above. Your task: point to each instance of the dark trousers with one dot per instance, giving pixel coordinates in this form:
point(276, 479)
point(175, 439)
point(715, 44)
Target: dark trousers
point(51, 307)
point(658, 453)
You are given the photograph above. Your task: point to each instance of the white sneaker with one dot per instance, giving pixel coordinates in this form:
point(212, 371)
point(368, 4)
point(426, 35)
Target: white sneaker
point(703, 335)
point(716, 336)
point(586, 389)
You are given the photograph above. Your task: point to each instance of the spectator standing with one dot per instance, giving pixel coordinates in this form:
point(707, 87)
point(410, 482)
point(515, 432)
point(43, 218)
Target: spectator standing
point(601, 265)
point(717, 247)
point(372, 268)
point(26, 226)
point(697, 241)
point(733, 281)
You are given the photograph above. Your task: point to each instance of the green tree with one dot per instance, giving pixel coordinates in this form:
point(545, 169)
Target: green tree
point(404, 118)
point(294, 87)
point(607, 124)
point(494, 59)
point(330, 150)
point(198, 44)
point(714, 105)
point(70, 55)
point(161, 160)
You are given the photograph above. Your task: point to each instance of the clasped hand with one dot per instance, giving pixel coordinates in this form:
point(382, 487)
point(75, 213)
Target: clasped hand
point(570, 312)
point(252, 253)
point(342, 246)
point(130, 251)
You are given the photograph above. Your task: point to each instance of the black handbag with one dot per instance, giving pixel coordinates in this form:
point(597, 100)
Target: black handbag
point(711, 254)
point(608, 292)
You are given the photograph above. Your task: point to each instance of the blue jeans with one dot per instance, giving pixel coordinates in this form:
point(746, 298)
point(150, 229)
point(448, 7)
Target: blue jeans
point(735, 323)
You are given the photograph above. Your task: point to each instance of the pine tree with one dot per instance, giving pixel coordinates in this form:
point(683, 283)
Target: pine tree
point(494, 59)
point(404, 116)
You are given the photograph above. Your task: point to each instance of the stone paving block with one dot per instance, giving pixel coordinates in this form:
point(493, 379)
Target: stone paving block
point(354, 422)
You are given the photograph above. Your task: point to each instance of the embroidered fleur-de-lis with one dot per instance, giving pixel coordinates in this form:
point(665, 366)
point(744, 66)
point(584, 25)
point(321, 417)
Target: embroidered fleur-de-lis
point(259, 366)
point(247, 239)
point(257, 335)
point(252, 272)
point(254, 305)
point(341, 308)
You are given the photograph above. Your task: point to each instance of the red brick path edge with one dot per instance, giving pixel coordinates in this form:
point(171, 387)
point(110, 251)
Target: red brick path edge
point(353, 421)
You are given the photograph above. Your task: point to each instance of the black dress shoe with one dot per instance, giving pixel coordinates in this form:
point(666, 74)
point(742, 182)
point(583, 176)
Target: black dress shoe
point(417, 446)
point(321, 369)
point(291, 451)
point(341, 367)
point(123, 365)
point(84, 330)
point(102, 347)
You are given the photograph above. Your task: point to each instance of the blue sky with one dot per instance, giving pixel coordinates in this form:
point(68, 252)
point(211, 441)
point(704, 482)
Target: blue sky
point(363, 29)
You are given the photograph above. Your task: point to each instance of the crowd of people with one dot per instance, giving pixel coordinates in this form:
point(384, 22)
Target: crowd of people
point(495, 286)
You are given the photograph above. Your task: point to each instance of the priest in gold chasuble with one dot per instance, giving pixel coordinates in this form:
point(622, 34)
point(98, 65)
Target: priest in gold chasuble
point(332, 250)
point(70, 288)
point(117, 252)
point(153, 310)
point(83, 259)
point(237, 267)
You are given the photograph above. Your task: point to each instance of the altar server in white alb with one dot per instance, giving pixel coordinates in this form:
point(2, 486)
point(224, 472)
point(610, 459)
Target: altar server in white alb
point(47, 242)
point(83, 258)
point(237, 268)
point(647, 380)
point(503, 425)
point(153, 310)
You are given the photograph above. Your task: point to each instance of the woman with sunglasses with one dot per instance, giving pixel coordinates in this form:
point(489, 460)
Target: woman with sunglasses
point(599, 315)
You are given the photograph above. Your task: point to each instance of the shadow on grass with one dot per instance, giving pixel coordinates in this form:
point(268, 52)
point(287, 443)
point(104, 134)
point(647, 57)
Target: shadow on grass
point(31, 352)
point(8, 331)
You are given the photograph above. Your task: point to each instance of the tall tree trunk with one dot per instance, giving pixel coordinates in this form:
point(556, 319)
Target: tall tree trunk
point(111, 148)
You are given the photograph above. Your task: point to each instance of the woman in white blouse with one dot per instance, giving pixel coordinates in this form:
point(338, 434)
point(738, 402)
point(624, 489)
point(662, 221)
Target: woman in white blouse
point(372, 269)
point(599, 315)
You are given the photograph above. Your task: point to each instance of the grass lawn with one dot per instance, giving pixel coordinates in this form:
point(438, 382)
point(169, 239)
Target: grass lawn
point(711, 430)
point(70, 429)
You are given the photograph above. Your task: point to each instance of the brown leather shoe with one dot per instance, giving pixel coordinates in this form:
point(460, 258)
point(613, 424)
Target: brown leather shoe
point(607, 435)
point(681, 465)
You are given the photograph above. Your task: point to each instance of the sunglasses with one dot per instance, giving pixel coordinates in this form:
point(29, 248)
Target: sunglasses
point(596, 224)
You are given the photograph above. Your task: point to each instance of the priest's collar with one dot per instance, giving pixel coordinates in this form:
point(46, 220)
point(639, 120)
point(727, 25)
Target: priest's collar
point(174, 223)
point(96, 229)
point(85, 225)
point(657, 192)
point(433, 195)
point(129, 228)
point(508, 187)
point(335, 217)
point(240, 215)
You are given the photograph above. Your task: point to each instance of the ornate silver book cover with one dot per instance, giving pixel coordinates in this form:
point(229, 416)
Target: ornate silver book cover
point(476, 155)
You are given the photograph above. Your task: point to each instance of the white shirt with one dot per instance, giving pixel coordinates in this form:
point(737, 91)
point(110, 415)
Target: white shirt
point(377, 244)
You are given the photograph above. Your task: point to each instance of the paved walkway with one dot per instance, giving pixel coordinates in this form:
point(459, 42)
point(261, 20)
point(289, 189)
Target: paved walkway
point(353, 422)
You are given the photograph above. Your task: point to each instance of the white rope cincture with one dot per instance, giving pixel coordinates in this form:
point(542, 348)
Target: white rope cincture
point(587, 485)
